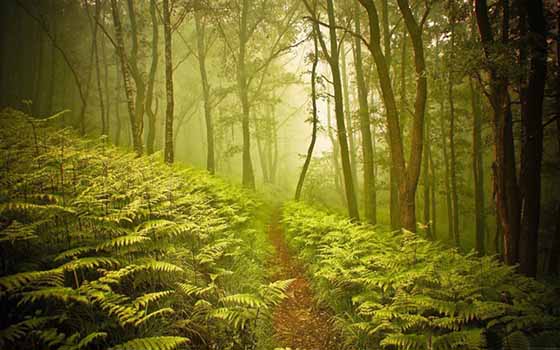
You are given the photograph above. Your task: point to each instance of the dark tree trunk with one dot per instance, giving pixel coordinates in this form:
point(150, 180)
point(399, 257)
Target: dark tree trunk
point(314, 120)
point(135, 129)
point(367, 143)
point(348, 117)
point(243, 90)
point(532, 138)
point(150, 111)
point(201, 46)
point(168, 149)
point(335, 153)
point(351, 201)
point(478, 171)
point(506, 191)
point(452, 120)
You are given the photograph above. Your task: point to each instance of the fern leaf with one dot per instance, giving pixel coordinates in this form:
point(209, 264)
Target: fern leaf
point(89, 263)
point(152, 343)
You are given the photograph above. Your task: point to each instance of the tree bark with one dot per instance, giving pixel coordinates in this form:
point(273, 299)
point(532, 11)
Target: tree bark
point(532, 138)
point(129, 90)
point(505, 181)
point(452, 120)
point(407, 178)
point(201, 49)
point(348, 116)
point(478, 171)
point(351, 201)
point(243, 90)
point(367, 143)
point(168, 150)
point(151, 113)
point(314, 120)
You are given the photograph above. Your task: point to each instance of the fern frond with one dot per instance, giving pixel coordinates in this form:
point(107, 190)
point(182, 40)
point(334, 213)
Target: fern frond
point(247, 300)
point(21, 329)
point(11, 283)
point(152, 343)
point(61, 294)
point(89, 263)
point(144, 300)
point(123, 241)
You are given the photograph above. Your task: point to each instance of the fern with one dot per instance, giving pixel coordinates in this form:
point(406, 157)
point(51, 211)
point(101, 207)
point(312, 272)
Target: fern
point(152, 343)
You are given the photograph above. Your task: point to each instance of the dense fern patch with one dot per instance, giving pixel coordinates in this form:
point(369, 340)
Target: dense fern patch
point(104, 250)
point(398, 291)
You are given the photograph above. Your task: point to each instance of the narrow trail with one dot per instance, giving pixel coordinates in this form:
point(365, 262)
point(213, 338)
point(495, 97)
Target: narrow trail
point(298, 322)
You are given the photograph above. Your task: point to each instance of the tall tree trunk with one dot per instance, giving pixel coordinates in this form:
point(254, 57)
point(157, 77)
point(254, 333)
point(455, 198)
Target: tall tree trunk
point(351, 201)
point(427, 181)
point(243, 90)
point(452, 120)
point(532, 138)
point(407, 176)
point(98, 70)
point(348, 116)
point(106, 86)
point(446, 172)
point(201, 46)
point(314, 120)
point(478, 171)
point(150, 111)
point(129, 90)
point(505, 179)
point(335, 153)
point(168, 150)
point(433, 195)
point(117, 95)
point(367, 145)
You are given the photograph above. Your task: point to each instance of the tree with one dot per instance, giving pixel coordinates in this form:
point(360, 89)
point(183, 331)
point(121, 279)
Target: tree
point(332, 56)
point(128, 68)
point(168, 151)
point(367, 142)
point(314, 118)
point(201, 54)
point(407, 177)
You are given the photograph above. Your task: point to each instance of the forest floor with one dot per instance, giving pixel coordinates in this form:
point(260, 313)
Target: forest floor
point(299, 323)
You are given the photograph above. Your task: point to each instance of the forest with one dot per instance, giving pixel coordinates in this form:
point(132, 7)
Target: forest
point(279, 174)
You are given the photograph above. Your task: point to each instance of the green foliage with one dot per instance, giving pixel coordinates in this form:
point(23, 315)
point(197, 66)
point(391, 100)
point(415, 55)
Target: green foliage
point(101, 249)
point(397, 290)
point(153, 343)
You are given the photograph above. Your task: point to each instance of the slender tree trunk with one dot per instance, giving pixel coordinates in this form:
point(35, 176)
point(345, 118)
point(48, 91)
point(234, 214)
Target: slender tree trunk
point(478, 171)
point(98, 69)
point(335, 153)
point(134, 128)
point(151, 113)
point(445, 152)
point(427, 181)
point(505, 180)
point(168, 150)
point(532, 138)
point(351, 201)
point(117, 101)
point(433, 195)
point(367, 145)
point(452, 120)
point(348, 116)
point(201, 46)
point(407, 177)
point(106, 86)
point(314, 120)
point(243, 90)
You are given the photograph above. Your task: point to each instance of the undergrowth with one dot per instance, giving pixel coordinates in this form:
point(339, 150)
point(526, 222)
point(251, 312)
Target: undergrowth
point(396, 290)
point(100, 249)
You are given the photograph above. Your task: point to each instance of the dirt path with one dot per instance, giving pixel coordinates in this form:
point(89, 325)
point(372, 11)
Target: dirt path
point(298, 322)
